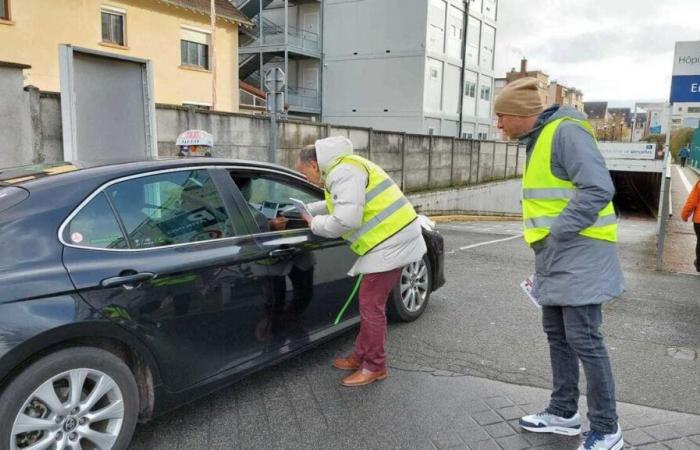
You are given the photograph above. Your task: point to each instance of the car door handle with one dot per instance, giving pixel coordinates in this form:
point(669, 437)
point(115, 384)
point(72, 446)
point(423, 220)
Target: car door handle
point(280, 252)
point(127, 280)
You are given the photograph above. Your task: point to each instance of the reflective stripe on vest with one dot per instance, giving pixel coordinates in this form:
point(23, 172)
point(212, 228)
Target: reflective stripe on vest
point(545, 196)
point(387, 211)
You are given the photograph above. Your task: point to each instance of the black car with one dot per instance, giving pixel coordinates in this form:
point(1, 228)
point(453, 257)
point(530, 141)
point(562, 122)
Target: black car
point(129, 289)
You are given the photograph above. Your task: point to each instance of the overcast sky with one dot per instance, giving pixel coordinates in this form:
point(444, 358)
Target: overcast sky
point(616, 50)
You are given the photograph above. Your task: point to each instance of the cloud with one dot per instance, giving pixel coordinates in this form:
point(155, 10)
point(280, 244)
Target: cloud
point(614, 50)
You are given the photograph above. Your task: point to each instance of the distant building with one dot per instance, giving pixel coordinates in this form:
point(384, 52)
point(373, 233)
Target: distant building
point(542, 78)
point(551, 92)
point(352, 62)
point(562, 95)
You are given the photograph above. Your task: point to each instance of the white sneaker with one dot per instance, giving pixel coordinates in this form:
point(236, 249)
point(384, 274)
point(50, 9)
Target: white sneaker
point(600, 441)
point(543, 422)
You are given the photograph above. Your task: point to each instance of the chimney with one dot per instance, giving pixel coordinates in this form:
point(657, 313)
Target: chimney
point(523, 65)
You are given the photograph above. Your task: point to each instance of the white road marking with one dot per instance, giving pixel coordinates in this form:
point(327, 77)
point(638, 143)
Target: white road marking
point(480, 244)
point(684, 179)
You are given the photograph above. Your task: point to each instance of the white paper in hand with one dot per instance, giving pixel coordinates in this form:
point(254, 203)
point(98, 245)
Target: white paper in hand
point(301, 207)
point(527, 286)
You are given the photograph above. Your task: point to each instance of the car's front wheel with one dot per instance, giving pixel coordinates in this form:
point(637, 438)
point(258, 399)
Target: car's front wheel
point(77, 398)
point(410, 297)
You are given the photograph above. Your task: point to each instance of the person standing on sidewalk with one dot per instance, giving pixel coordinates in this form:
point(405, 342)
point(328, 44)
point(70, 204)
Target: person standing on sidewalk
point(570, 223)
point(692, 208)
point(684, 155)
point(365, 207)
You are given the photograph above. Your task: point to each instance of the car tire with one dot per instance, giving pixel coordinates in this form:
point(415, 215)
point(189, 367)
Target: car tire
point(42, 395)
point(409, 298)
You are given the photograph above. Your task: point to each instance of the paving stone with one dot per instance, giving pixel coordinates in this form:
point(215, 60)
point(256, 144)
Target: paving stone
point(682, 444)
point(511, 412)
point(637, 437)
point(487, 418)
point(499, 402)
point(513, 443)
point(499, 430)
point(476, 406)
point(447, 440)
point(662, 432)
point(474, 435)
point(486, 445)
point(655, 446)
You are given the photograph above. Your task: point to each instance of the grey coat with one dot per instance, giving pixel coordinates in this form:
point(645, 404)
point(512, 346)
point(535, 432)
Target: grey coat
point(572, 270)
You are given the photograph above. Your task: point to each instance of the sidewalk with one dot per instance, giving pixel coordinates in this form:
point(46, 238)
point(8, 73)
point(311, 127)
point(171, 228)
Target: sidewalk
point(679, 252)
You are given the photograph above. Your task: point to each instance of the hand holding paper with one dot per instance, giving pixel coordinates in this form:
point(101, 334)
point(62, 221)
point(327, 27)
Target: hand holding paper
point(303, 210)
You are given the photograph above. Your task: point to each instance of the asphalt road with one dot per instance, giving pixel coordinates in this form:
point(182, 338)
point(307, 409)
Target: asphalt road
point(479, 325)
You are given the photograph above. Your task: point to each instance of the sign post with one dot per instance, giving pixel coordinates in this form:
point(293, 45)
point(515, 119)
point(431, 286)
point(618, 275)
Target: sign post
point(274, 85)
point(685, 88)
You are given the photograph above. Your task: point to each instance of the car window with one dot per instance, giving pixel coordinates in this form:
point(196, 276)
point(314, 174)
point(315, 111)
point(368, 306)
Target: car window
point(266, 194)
point(259, 189)
point(170, 208)
point(95, 226)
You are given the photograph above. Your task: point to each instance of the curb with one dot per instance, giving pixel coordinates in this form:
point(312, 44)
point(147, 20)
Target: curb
point(473, 218)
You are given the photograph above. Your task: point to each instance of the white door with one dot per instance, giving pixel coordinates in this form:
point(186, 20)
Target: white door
point(310, 78)
point(311, 22)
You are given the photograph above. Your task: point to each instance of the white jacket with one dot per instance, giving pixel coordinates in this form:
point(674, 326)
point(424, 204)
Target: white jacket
point(346, 185)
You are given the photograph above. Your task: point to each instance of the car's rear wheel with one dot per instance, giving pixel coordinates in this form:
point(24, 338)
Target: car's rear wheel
point(410, 297)
point(77, 398)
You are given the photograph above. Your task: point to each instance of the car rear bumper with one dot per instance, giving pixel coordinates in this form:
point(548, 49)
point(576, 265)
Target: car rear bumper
point(436, 253)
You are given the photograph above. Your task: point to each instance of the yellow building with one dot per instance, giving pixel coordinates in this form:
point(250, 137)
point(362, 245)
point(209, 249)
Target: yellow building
point(174, 35)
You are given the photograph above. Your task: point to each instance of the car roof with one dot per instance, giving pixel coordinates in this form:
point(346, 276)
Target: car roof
point(72, 171)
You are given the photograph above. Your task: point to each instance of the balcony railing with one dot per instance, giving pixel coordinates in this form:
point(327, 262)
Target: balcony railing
point(273, 34)
point(303, 98)
point(250, 101)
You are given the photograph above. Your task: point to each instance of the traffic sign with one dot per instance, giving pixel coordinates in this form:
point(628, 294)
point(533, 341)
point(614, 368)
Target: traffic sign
point(275, 80)
point(685, 83)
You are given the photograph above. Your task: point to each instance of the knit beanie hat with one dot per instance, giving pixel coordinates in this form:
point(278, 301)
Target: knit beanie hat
point(519, 98)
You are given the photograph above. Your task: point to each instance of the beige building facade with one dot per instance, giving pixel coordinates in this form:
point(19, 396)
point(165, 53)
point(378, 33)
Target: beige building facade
point(175, 35)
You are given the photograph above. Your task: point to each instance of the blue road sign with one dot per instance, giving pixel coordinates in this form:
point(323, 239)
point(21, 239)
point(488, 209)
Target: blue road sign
point(655, 130)
point(685, 88)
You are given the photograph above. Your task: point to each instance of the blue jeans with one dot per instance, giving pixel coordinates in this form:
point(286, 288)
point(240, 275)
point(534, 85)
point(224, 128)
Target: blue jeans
point(573, 334)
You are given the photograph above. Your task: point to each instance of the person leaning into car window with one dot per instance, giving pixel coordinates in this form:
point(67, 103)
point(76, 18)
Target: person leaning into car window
point(367, 209)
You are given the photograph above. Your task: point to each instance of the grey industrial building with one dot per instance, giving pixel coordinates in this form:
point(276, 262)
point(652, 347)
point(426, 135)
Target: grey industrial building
point(418, 66)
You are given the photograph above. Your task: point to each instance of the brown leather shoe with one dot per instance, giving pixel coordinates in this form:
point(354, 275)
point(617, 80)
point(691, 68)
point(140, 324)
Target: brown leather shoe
point(348, 363)
point(363, 377)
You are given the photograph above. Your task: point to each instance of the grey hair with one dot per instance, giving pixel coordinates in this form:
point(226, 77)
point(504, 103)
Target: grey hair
point(307, 154)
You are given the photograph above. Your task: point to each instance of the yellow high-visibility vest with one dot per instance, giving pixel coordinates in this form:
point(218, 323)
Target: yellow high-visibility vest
point(387, 211)
point(545, 196)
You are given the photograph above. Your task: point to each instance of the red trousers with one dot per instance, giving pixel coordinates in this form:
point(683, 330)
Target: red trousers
point(371, 342)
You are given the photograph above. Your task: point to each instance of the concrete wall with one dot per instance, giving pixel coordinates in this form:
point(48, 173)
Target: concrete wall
point(16, 142)
point(497, 198)
point(416, 162)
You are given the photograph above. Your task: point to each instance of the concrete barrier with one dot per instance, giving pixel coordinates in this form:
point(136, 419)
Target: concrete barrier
point(497, 198)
